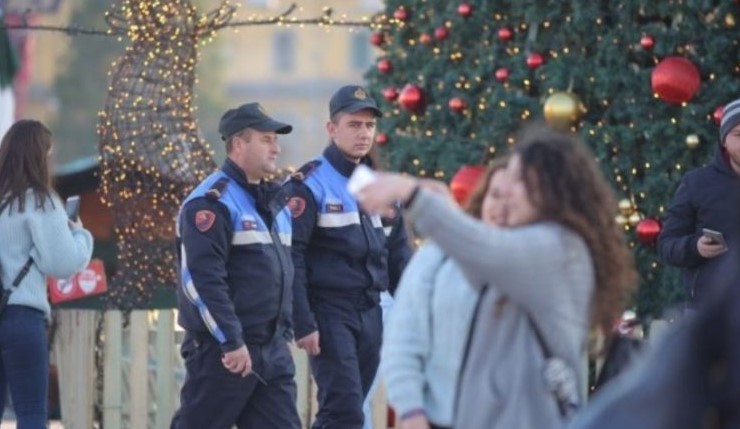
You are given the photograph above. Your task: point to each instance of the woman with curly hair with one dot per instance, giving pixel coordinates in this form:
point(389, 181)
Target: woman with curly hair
point(424, 340)
point(560, 266)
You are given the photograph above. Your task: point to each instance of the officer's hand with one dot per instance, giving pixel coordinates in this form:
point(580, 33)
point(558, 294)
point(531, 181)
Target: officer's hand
point(708, 248)
point(416, 422)
point(238, 361)
point(310, 343)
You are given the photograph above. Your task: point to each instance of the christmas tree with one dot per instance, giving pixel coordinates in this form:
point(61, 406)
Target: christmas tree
point(643, 82)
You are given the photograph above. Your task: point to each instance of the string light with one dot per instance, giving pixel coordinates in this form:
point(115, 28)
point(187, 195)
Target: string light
point(151, 155)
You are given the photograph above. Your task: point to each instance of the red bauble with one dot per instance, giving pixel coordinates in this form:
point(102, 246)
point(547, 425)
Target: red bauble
point(441, 33)
point(465, 10)
point(675, 80)
point(385, 66)
point(502, 74)
point(411, 98)
point(717, 115)
point(390, 93)
point(377, 38)
point(425, 38)
point(457, 104)
point(381, 139)
point(647, 42)
point(464, 181)
point(401, 14)
point(505, 34)
point(535, 60)
point(648, 230)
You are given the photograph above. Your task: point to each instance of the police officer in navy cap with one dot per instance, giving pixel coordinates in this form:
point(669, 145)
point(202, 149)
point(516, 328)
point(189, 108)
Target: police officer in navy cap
point(343, 260)
point(235, 298)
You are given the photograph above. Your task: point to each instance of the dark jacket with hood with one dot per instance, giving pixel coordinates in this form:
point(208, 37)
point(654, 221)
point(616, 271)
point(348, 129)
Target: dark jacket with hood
point(707, 197)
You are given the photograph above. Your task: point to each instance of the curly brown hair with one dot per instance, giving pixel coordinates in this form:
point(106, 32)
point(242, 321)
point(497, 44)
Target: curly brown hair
point(564, 181)
point(474, 205)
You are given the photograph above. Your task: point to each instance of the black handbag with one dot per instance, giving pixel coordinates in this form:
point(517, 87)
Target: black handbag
point(17, 281)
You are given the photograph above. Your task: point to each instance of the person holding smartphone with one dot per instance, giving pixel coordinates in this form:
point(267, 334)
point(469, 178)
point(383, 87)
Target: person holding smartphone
point(38, 240)
point(708, 198)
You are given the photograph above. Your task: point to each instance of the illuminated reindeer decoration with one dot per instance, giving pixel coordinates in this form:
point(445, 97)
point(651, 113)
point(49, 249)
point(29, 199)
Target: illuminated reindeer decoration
point(151, 152)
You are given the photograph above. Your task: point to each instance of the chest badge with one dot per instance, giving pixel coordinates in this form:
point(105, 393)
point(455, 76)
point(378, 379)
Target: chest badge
point(249, 223)
point(334, 206)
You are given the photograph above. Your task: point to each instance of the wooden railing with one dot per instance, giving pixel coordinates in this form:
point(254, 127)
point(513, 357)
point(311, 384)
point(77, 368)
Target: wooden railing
point(142, 371)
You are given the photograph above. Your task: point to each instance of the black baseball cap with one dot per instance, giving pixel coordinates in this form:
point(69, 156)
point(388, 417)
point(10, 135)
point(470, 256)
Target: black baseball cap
point(250, 115)
point(351, 99)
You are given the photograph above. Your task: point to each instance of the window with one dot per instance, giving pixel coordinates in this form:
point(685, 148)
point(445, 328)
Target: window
point(373, 5)
point(360, 55)
point(284, 51)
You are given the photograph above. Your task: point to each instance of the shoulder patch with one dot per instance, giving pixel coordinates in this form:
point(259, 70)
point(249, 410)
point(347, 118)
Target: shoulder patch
point(204, 220)
point(218, 188)
point(306, 170)
point(297, 206)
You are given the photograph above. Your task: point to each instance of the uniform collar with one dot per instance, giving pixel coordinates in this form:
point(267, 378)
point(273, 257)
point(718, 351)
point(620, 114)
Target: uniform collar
point(263, 193)
point(341, 163)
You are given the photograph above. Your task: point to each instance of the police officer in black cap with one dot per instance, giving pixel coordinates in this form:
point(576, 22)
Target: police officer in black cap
point(343, 261)
point(235, 300)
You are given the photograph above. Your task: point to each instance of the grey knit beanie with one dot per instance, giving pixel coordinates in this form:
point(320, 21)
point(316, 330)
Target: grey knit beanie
point(730, 119)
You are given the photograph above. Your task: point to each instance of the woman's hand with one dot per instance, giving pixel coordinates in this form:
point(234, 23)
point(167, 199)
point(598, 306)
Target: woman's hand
point(416, 422)
point(75, 224)
point(387, 189)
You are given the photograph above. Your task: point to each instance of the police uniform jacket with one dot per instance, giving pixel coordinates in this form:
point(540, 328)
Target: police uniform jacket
point(338, 250)
point(236, 268)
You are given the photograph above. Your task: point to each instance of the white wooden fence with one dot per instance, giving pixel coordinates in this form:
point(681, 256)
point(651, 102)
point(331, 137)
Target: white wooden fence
point(143, 371)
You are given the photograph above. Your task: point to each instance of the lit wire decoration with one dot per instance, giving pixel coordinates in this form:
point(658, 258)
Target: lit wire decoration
point(151, 153)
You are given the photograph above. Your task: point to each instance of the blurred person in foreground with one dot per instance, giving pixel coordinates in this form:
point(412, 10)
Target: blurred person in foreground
point(561, 265)
point(424, 342)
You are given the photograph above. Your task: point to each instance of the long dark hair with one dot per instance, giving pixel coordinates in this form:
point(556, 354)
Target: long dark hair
point(565, 183)
point(24, 164)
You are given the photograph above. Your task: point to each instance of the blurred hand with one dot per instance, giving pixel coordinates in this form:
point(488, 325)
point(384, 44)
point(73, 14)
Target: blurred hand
point(708, 248)
point(379, 196)
point(416, 422)
point(436, 186)
point(238, 361)
point(310, 343)
point(75, 224)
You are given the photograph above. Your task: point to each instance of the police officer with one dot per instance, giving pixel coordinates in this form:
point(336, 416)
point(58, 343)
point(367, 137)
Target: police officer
point(343, 261)
point(235, 300)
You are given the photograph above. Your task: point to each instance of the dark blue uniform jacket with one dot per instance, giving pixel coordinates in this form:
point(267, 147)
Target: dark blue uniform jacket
point(236, 268)
point(339, 251)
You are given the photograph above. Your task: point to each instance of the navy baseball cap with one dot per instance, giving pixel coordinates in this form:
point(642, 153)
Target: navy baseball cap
point(351, 99)
point(250, 115)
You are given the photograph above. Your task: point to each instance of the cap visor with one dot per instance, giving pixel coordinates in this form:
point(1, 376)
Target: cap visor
point(273, 126)
point(360, 105)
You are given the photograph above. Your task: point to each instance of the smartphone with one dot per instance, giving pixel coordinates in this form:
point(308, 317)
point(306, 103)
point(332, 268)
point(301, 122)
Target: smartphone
point(72, 206)
point(361, 177)
point(715, 236)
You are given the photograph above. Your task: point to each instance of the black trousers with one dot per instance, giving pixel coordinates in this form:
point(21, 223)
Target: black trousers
point(349, 338)
point(214, 398)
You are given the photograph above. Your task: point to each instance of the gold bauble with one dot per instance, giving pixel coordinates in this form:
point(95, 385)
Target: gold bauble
point(634, 219)
point(692, 141)
point(563, 110)
point(625, 207)
point(730, 20)
point(621, 220)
